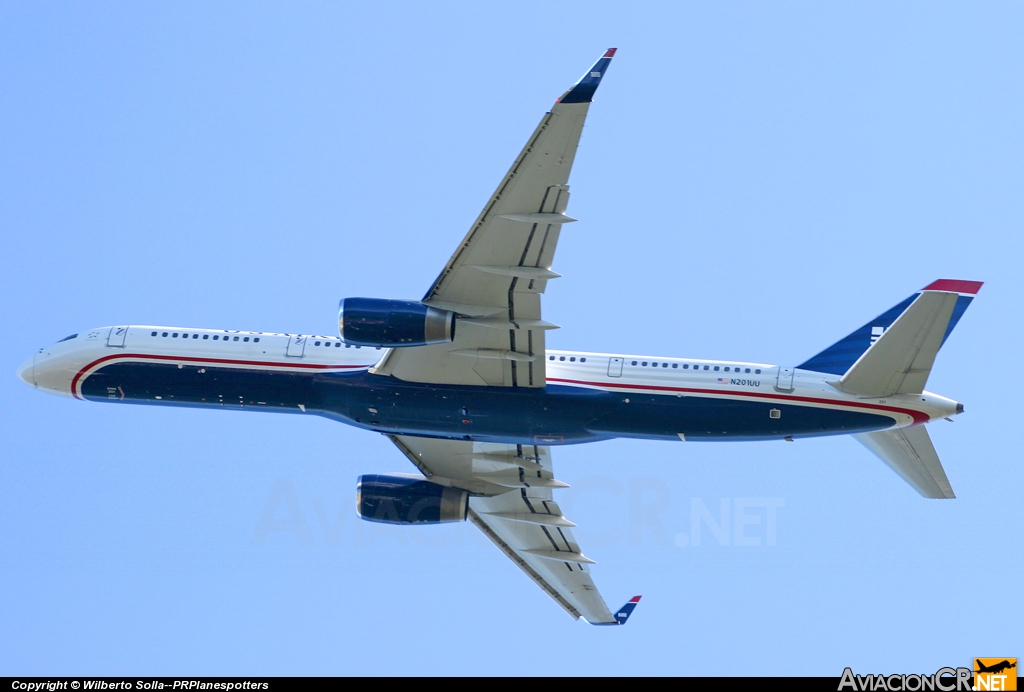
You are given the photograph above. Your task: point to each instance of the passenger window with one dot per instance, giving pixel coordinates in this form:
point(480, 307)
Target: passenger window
point(561, 357)
point(350, 346)
point(195, 336)
point(716, 368)
point(317, 343)
point(174, 335)
point(236, 338)
point(675, 365)
point(644, 363)
point(747, 370)
point(634, 362)
point(337, 344)
point(686, 366)
point(245, 339)
point(573, 359)
point(153, 334)
point(757, 372)
point(705, 367)
point(165, 334)
point(256, 340)
point(551, 357)
point(664, 365)
point(583, 360)
point(206, 336)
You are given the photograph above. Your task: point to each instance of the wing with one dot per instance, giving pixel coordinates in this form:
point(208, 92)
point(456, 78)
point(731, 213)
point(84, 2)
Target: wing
point(501, 267)
point(512, 504)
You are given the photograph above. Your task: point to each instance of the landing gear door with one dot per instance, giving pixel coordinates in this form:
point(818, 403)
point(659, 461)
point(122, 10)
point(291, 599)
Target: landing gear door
point(296, 346)
point(785, 380)
point(116, 337)
point(614, 367)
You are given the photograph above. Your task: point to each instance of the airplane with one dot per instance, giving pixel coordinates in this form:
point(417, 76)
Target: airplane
point(462, 383)
point(995, 667)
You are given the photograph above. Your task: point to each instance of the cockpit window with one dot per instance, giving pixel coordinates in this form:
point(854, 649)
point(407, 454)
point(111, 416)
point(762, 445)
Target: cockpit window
point(68, 338)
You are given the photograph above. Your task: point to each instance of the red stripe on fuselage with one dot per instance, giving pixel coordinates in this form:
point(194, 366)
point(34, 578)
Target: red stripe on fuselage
point(193, 359)
point(916, 415)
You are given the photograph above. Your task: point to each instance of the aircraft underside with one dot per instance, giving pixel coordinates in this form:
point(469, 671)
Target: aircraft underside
point(463, 383)
point(556, 414)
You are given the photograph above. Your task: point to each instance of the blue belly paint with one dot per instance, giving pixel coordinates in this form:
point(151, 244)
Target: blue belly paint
point(556, 414)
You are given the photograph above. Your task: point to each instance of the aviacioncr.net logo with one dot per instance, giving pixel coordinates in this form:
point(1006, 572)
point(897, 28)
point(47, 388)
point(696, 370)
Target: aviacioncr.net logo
point(995, 674)
point(942, 680)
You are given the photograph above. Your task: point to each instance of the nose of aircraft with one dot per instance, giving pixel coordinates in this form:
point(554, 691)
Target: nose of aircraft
point(27, 371)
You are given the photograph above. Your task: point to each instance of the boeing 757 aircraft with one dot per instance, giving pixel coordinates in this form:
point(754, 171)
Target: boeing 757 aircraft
point(462, 382)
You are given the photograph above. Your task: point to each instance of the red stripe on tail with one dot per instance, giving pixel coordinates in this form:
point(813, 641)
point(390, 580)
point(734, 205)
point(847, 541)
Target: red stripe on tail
point(954, 286)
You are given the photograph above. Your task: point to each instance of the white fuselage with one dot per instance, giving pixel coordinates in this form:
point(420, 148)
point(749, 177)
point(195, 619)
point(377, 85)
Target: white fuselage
point(63, 367)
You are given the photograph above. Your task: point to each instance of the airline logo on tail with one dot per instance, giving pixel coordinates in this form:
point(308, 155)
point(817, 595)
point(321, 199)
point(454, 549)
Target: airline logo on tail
point(838, 358)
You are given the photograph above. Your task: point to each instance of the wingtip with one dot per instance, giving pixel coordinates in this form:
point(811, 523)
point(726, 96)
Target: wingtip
point(626, 610)
point(583, 90)
point(622, 614)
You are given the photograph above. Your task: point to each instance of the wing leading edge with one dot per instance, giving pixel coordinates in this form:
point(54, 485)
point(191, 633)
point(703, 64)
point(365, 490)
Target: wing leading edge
point(513, 505)
point(494, 281)
point(499, 270)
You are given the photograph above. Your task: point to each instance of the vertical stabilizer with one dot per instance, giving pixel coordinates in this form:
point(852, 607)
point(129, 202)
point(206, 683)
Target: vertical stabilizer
point(840, 357)
point(902, 358)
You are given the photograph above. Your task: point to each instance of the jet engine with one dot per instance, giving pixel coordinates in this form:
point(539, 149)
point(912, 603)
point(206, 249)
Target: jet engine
point(408, 500)
point(393, 323)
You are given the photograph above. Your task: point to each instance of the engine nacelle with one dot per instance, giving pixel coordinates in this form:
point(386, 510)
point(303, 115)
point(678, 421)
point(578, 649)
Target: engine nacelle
point(408, 500)
point(379, 322)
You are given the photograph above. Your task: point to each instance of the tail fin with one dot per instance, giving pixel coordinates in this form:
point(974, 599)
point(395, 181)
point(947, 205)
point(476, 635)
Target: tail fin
point(910, 453)
point(933, 316)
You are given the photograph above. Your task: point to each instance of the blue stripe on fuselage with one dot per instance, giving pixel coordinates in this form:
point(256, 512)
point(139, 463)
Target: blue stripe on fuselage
point(556, 414)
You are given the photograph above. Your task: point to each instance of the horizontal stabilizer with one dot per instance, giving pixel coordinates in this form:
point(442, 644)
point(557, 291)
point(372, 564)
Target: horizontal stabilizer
point(910, 453)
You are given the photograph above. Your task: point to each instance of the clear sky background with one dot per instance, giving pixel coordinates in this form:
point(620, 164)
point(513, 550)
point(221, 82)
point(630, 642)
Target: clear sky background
point(755, 181)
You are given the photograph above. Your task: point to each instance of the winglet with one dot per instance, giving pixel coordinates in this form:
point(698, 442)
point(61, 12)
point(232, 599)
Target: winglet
point(583, 90)
point(623, 613)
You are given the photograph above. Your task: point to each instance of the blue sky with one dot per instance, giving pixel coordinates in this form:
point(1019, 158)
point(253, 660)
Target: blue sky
point(755, 181)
